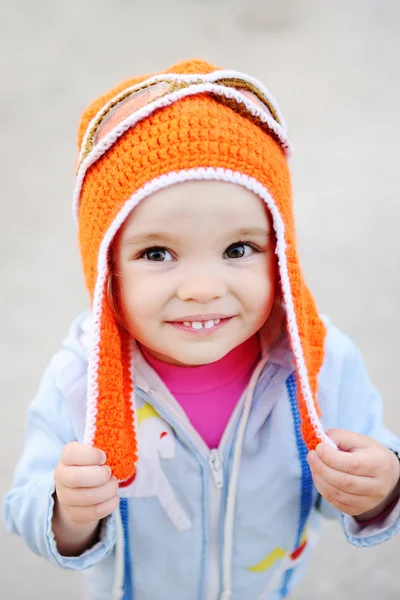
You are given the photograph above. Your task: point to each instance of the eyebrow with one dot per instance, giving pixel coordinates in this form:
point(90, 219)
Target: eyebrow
point(250, 232)
point(148, 238)
point(160, 237)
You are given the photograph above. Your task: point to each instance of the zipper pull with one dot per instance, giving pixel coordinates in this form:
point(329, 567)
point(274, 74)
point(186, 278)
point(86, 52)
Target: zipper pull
point(215, 461)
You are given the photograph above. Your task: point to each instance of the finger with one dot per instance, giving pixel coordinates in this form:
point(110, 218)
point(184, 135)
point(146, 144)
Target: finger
point(93, 513)
point(357, 462)
point(349, 440)
point(352, 484)
point(84, 497)
point(75, 454)
point(347, 503)
point(85, 477)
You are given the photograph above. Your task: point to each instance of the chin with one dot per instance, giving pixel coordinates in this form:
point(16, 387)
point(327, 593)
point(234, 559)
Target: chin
point(195, 359)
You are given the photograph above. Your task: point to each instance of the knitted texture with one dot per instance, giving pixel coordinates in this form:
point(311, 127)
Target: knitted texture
point(182, 127)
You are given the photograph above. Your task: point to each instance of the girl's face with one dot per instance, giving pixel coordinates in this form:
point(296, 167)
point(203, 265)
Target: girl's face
point(195, 270)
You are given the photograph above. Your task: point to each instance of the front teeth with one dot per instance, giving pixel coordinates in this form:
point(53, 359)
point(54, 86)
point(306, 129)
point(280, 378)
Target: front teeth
point(202, 324)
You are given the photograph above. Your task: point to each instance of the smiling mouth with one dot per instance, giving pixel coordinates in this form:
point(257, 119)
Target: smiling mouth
point(200, 325)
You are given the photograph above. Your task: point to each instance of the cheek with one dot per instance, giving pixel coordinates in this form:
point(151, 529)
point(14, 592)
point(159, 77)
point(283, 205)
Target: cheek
point(258, 287)
point(140, 298)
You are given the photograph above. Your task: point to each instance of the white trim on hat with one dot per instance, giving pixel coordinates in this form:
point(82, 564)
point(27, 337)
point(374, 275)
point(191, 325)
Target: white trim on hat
point(165, 181)
point(180, 78)
point(166, 100)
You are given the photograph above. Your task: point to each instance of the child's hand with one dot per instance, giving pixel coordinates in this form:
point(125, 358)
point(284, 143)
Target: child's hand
point(86, 491)
point(361, 478)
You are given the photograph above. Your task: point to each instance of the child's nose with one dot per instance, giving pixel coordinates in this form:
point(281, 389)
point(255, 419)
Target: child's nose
point(202, 288)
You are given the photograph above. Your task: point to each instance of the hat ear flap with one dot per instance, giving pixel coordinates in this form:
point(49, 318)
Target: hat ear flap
point(110, 419)
point(307, 335)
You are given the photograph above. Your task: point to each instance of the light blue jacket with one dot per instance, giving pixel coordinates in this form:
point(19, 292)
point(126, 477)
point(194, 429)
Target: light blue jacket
point(234, 523)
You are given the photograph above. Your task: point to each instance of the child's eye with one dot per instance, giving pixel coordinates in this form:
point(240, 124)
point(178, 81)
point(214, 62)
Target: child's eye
point(239, 250)
point(157, 254)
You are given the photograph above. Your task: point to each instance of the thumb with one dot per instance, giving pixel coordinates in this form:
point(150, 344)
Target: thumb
point(349, 441)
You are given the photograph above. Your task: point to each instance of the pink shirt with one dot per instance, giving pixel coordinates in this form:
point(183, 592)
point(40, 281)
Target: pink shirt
point(209, 393)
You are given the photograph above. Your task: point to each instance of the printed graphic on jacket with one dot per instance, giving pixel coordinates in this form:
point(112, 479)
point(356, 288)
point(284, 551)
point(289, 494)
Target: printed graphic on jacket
point(285, 560)
point(156, 441)
point(278, 554)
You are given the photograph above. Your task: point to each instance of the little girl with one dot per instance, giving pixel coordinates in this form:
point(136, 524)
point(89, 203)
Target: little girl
point(188, 436)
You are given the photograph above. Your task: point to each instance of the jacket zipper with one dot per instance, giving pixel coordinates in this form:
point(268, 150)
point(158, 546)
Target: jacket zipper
point(215, 461)
point(216, 482)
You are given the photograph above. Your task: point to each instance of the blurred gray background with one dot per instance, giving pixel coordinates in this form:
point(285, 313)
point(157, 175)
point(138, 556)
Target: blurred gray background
point(334, 68)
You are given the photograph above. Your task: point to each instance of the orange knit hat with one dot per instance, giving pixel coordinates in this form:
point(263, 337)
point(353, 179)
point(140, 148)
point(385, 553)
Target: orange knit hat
point(193, 121)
